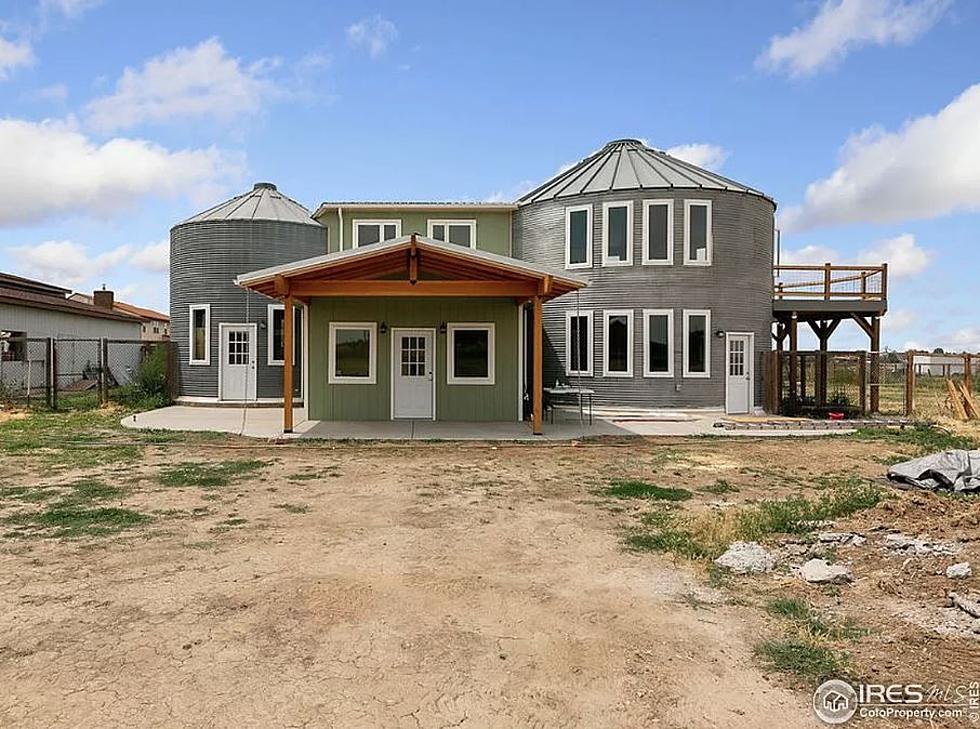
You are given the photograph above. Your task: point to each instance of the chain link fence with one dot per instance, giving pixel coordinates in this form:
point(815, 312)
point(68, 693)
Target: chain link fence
point(62, 372)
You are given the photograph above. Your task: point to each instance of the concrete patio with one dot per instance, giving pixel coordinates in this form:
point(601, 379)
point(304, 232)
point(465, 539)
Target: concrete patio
point(266, 422)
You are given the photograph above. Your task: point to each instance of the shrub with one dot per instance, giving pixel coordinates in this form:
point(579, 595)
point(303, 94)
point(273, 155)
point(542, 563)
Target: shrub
point(149, 389)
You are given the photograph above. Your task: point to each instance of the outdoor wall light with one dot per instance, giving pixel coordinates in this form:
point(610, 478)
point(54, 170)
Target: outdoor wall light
point(719, 333)
point(384, 327)
point(442, 328)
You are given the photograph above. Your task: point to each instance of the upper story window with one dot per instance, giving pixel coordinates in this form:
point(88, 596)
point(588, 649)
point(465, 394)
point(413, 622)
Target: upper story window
point(460, 232)
point(578, 237)
point(617, 234)
point(199, 330)
point(697, 233)
point(367, 232)
point(658, 232)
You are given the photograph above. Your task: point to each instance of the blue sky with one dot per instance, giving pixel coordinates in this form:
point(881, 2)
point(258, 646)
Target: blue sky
point(860, 117)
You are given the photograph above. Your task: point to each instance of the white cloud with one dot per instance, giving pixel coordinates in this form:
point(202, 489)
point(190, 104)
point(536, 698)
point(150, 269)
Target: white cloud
point(899, 320)
point(55, 93)
point(185, 83)
point(372, 34)
point(904, 256)
point(709, 156)
point(926, 169)
point(843, 25)
point(64, 262)
point(14, 55)
point(966, 339)
point(50, 168)
point(70, 8)
point(154, 257)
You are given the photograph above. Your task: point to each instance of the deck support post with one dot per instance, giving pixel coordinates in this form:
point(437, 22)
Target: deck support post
point(875, 375)
point(287, 366)
point(794, 358)
point(538, 368)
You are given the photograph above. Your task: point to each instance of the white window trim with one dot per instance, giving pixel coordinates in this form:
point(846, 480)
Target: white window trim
point(371, 378)
point(687, 233)
point(451, 330)
point(606, 315)
point(357, 222)
point(628, 204)
point(569, 315)
point(453, 221)
point(688, 313)
point(206, 308)
point(269, 337)
point(669, 260)
point(647, 313)
point(588, 236)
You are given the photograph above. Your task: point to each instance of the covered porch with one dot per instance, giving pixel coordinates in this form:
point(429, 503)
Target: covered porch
point(413, 329)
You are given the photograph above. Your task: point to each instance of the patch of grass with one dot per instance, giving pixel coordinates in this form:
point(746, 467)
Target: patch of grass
point(923, 438)
point(634, 489)
point(79, 522)
point(28, 494)
point(88, 491)
point(207, 475)
point(804, 659)
point(719, 488)
point(805, 618)
point(293, 508)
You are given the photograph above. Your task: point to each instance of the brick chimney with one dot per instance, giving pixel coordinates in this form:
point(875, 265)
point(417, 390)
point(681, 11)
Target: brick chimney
point(103, 299)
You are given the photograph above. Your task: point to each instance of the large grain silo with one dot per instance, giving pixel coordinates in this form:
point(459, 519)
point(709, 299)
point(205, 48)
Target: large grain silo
point(678, 309)
point(229, 341)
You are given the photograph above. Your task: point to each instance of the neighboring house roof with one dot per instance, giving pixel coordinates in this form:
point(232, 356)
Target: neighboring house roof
point(9, 281)
point(263, 202)
point(33, 300)
point(628, 164)
point(125, 308)
point(447, 258)
point(412, 205)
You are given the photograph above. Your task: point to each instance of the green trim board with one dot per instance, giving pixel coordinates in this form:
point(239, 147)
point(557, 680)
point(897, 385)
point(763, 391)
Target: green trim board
point(454, 402)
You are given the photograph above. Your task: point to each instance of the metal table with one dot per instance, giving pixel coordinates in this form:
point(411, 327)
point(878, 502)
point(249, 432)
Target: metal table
point(581, 393)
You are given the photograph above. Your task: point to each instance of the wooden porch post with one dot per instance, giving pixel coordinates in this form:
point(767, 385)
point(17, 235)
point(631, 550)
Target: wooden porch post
point(875, 364)
point(287, 366)
point(794, 358)
point(538, 366)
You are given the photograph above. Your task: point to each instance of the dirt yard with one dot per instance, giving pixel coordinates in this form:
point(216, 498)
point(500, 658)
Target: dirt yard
point(209, 581)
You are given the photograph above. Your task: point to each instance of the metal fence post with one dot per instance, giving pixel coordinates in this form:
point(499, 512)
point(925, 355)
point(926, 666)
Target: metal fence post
point(53, 363)
point(863, 381)
point(909, 383)
point(968, 372)
point(103, 371)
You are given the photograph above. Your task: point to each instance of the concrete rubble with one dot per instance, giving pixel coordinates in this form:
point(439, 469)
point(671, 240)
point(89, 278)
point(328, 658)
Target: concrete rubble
point(744, 557)
point(959, 571)
point(919, 546)
point(821, 572)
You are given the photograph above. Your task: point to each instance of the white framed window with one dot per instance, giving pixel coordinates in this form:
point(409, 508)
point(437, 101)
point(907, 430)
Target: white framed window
point(460, 232)
point(578, 342)
point(470, 353)
point(275, 329)
point(367, 232)
point(617, 343)
point(658, 232)
point(697, 233)
point(658, 343)
point(199, 335)
point(697, 343)
point(353, 354)
point(578, 237)
point(617, 233)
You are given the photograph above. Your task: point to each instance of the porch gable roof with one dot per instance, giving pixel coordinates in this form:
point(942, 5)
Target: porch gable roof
point(431, 268)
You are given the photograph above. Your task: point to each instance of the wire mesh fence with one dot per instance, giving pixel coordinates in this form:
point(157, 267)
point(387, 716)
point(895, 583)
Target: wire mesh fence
point(62, 372)
point(912, 384)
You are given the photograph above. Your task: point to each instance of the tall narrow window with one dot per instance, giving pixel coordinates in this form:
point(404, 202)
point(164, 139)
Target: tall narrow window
point(617, 351)
point(460, 232)
point(658, 343)
point(578, 343)
point(697, 233)
point(617, 234)
point(353, 353)
point(199, 346)
point(367, 232)
point(578, 237)
point(470, 351)
point(697, 343)
point(658, 232)
point(276, 334)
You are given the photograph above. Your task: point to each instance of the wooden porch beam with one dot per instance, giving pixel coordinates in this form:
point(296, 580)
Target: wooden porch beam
point(287, 366)
point(281, 286)
point(503, 289)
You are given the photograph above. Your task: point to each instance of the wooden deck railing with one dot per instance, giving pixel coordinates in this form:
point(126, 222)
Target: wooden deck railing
point(828, 282)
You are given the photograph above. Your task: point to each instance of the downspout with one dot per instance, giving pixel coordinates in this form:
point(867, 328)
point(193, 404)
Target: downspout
point(340, 219)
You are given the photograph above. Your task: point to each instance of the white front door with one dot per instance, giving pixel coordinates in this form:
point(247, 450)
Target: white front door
point(738, 386)
point(413, 373)
point(238, 371)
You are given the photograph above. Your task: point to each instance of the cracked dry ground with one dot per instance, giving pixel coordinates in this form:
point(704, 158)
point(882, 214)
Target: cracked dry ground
point(436, 585)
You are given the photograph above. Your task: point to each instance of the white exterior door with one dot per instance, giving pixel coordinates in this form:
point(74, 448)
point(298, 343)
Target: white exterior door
point(413, 373)
point(738, 369)
point(238, 348)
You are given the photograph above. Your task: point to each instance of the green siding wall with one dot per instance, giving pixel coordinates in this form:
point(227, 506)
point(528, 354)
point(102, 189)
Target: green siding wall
point(493, 227)
point(453, 402)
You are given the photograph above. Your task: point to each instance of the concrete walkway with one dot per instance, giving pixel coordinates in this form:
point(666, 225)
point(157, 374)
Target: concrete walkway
point(266, 423)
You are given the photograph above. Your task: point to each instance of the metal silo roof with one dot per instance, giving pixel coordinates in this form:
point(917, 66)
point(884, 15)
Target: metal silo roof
point(628, 164)
point(262, 202)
